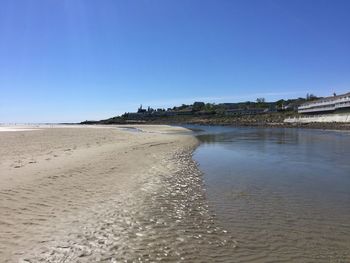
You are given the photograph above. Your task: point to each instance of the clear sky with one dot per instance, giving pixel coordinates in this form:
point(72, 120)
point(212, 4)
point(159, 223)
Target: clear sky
point(72, 60)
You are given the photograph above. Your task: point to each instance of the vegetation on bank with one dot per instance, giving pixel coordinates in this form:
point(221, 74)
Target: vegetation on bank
point(259, 112)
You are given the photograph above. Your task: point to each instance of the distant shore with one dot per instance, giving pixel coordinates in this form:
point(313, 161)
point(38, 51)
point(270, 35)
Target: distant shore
point(264, 120)
point(320, 126)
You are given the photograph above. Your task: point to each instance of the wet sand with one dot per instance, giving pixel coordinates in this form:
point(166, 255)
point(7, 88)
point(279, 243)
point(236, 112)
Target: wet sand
point(106, 194)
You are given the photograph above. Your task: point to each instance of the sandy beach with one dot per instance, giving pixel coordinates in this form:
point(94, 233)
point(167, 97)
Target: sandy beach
point(87, 194)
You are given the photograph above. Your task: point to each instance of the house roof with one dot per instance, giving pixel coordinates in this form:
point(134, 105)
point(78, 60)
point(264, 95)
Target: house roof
point(330, 98)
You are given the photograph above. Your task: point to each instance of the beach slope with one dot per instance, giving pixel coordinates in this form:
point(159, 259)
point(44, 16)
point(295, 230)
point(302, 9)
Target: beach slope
point(83, 194)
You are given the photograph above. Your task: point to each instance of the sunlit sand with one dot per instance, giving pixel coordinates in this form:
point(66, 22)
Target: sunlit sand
point(102, 192)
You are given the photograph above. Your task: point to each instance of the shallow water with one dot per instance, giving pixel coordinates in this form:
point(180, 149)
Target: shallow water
point(283, 194)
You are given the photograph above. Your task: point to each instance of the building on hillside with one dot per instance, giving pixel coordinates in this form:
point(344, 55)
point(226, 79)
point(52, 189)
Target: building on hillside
point(290, 107)
point(334, 104)
point(141, 110)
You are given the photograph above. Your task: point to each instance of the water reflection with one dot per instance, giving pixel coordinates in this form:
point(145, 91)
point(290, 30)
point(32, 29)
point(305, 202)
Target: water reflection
point(249, 135)
point(283, 192)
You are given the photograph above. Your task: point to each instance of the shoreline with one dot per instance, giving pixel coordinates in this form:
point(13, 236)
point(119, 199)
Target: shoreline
point(87, 194)
point(311, 126)
point(211, 122)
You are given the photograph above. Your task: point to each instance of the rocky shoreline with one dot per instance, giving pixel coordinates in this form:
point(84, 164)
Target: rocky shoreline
point(272, 120)
point(319, 126)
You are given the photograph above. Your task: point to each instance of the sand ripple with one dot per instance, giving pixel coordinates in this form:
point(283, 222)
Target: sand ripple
point(167, 221)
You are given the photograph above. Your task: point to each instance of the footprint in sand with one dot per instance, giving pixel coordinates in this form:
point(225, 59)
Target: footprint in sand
point(17, 164)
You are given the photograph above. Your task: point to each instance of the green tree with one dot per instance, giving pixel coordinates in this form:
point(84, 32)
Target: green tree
point(260, 100)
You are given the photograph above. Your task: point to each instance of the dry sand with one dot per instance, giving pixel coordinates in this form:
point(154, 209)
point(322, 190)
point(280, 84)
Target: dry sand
point(103, 194)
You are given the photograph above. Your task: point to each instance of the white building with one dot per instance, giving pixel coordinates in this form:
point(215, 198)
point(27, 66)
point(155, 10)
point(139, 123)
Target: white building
point(326, 105)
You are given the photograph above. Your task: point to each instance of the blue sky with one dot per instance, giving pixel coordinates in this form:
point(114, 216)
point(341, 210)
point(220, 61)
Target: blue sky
point(72, 60)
